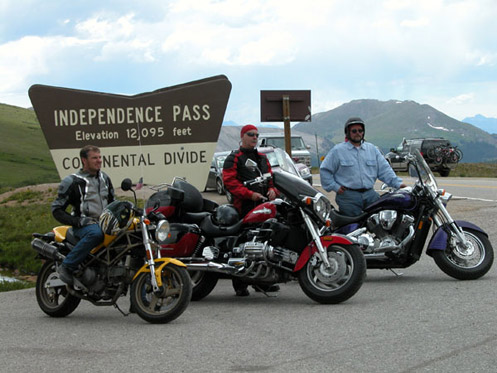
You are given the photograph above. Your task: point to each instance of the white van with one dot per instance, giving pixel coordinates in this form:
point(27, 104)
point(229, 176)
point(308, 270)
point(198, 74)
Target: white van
point(300, 152)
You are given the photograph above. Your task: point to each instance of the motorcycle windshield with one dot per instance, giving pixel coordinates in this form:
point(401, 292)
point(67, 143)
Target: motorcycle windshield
point(425, 173)
point(293, 186)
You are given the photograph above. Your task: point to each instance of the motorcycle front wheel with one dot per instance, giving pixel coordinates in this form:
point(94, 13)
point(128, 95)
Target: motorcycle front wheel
point(52, 295)
point(339, 282)
point(466, 263)
point(169, 303)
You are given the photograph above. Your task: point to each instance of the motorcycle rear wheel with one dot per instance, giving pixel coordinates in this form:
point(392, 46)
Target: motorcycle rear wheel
point(341, 281)
point(202, 284)
point(173, 300)
point(54, 301)
point(463, 264)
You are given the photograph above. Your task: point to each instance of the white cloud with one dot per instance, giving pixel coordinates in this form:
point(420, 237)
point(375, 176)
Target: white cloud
point(461, 99)
point(425, 50)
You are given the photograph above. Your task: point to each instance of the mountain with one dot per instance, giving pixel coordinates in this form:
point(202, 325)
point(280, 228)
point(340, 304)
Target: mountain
point(482, 122)
point(388, 122)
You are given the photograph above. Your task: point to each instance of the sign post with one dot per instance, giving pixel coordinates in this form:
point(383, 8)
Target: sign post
point(275, 107)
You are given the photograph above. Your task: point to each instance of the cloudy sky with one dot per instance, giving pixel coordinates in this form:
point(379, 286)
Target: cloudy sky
point(437, 52)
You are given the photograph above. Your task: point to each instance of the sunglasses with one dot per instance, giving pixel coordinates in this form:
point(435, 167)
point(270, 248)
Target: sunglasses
point(252, 134)
point(357, 131)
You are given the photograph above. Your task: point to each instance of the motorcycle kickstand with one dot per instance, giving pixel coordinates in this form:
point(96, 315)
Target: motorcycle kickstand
point(120, 310)
point(264, 292)
point(397, 274)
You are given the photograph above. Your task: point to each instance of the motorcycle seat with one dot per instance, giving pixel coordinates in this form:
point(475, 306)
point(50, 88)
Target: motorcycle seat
point(210, 229)
point(195, 217)
point(70, 237)
point(339, 220)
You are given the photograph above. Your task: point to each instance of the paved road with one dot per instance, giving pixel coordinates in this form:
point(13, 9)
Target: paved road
point(423, 321)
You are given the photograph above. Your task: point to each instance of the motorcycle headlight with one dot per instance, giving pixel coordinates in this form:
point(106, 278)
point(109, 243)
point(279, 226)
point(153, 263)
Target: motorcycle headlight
point(162, 231)
point(305, 171)
point(322, 207)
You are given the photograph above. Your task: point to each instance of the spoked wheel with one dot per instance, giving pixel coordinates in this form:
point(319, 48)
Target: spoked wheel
point(229, 197)
point(51, 293)
point(337, 283)
point(466, 263)
point(167, 304)
point(459, 154)
point(219, 186)
point(203, 283)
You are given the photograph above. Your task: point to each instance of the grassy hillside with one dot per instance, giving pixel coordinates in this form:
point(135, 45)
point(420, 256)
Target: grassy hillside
point(24, 155)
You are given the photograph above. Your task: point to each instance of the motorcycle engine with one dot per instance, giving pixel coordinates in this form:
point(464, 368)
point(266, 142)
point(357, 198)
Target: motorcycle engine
point(254, 250)
point(389, 231)
point(101, 283)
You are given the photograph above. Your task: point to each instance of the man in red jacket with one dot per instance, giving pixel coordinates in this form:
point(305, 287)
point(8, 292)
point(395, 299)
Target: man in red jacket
point(235, 172)
point(245, 198)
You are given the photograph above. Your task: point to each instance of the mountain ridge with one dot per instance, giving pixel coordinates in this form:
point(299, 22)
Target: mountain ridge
point(487, 124)
point(388, 122)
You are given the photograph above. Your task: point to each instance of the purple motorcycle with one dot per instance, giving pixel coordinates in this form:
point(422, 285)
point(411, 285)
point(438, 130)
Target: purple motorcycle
point(393, 231)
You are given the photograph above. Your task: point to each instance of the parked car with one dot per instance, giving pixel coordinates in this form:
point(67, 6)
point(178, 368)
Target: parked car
point(215, 178)
point(300, 151)
point(440, 155)
point(278, 159)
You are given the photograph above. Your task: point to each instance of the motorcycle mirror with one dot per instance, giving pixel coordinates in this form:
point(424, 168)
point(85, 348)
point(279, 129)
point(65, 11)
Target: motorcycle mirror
point(126, 184)
point(252, 165)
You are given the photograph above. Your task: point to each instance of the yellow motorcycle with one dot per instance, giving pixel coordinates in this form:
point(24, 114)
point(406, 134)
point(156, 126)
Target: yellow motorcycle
point(129, 258)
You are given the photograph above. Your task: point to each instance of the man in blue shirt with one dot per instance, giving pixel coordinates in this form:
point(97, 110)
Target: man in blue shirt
point(351, 169)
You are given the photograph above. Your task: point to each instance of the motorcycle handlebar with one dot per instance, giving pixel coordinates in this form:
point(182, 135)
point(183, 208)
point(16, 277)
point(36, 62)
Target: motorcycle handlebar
point(258, 180)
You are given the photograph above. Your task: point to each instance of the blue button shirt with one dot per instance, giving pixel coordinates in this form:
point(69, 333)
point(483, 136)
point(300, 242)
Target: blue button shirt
point(356, 168)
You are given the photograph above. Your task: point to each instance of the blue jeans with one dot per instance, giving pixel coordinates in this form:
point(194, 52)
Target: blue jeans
point(352, 203)
point(89, 236)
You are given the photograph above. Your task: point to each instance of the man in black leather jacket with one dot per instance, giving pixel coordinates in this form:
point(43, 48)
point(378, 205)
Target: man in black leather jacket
point(88, 191)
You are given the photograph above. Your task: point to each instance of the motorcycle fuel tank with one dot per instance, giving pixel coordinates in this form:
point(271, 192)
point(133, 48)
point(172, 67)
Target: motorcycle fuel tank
point(398, 200)
point(260, 213)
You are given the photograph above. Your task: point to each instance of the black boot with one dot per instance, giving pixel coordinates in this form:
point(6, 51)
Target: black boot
point(65, 274)
point(240, 288)
point(267, 288)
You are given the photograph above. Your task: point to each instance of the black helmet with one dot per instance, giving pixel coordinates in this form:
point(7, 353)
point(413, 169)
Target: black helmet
point(117, 215)
point(352, 121)
point(227, 215)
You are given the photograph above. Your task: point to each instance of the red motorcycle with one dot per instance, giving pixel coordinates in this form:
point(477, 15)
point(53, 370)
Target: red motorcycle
point(276, 242)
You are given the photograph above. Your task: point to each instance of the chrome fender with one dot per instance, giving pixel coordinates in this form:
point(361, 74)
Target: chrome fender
point(439, 239)
point(159, 264)
point(311, 248)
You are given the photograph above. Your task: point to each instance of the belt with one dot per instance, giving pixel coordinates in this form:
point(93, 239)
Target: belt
point(363, 190)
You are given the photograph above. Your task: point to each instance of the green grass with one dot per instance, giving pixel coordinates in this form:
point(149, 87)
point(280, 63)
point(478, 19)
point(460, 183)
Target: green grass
point(17, 222)
point(15, 285)
point(24, 155)
point(475, 170)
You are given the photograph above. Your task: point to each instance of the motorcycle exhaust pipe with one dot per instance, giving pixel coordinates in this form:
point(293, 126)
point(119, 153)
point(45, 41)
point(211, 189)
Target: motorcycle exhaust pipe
point(47, 250)
point(212, 267)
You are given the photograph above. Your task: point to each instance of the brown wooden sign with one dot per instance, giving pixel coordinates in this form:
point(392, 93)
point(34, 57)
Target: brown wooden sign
point(157, 135)
point(272, 106)
point(286, 106)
